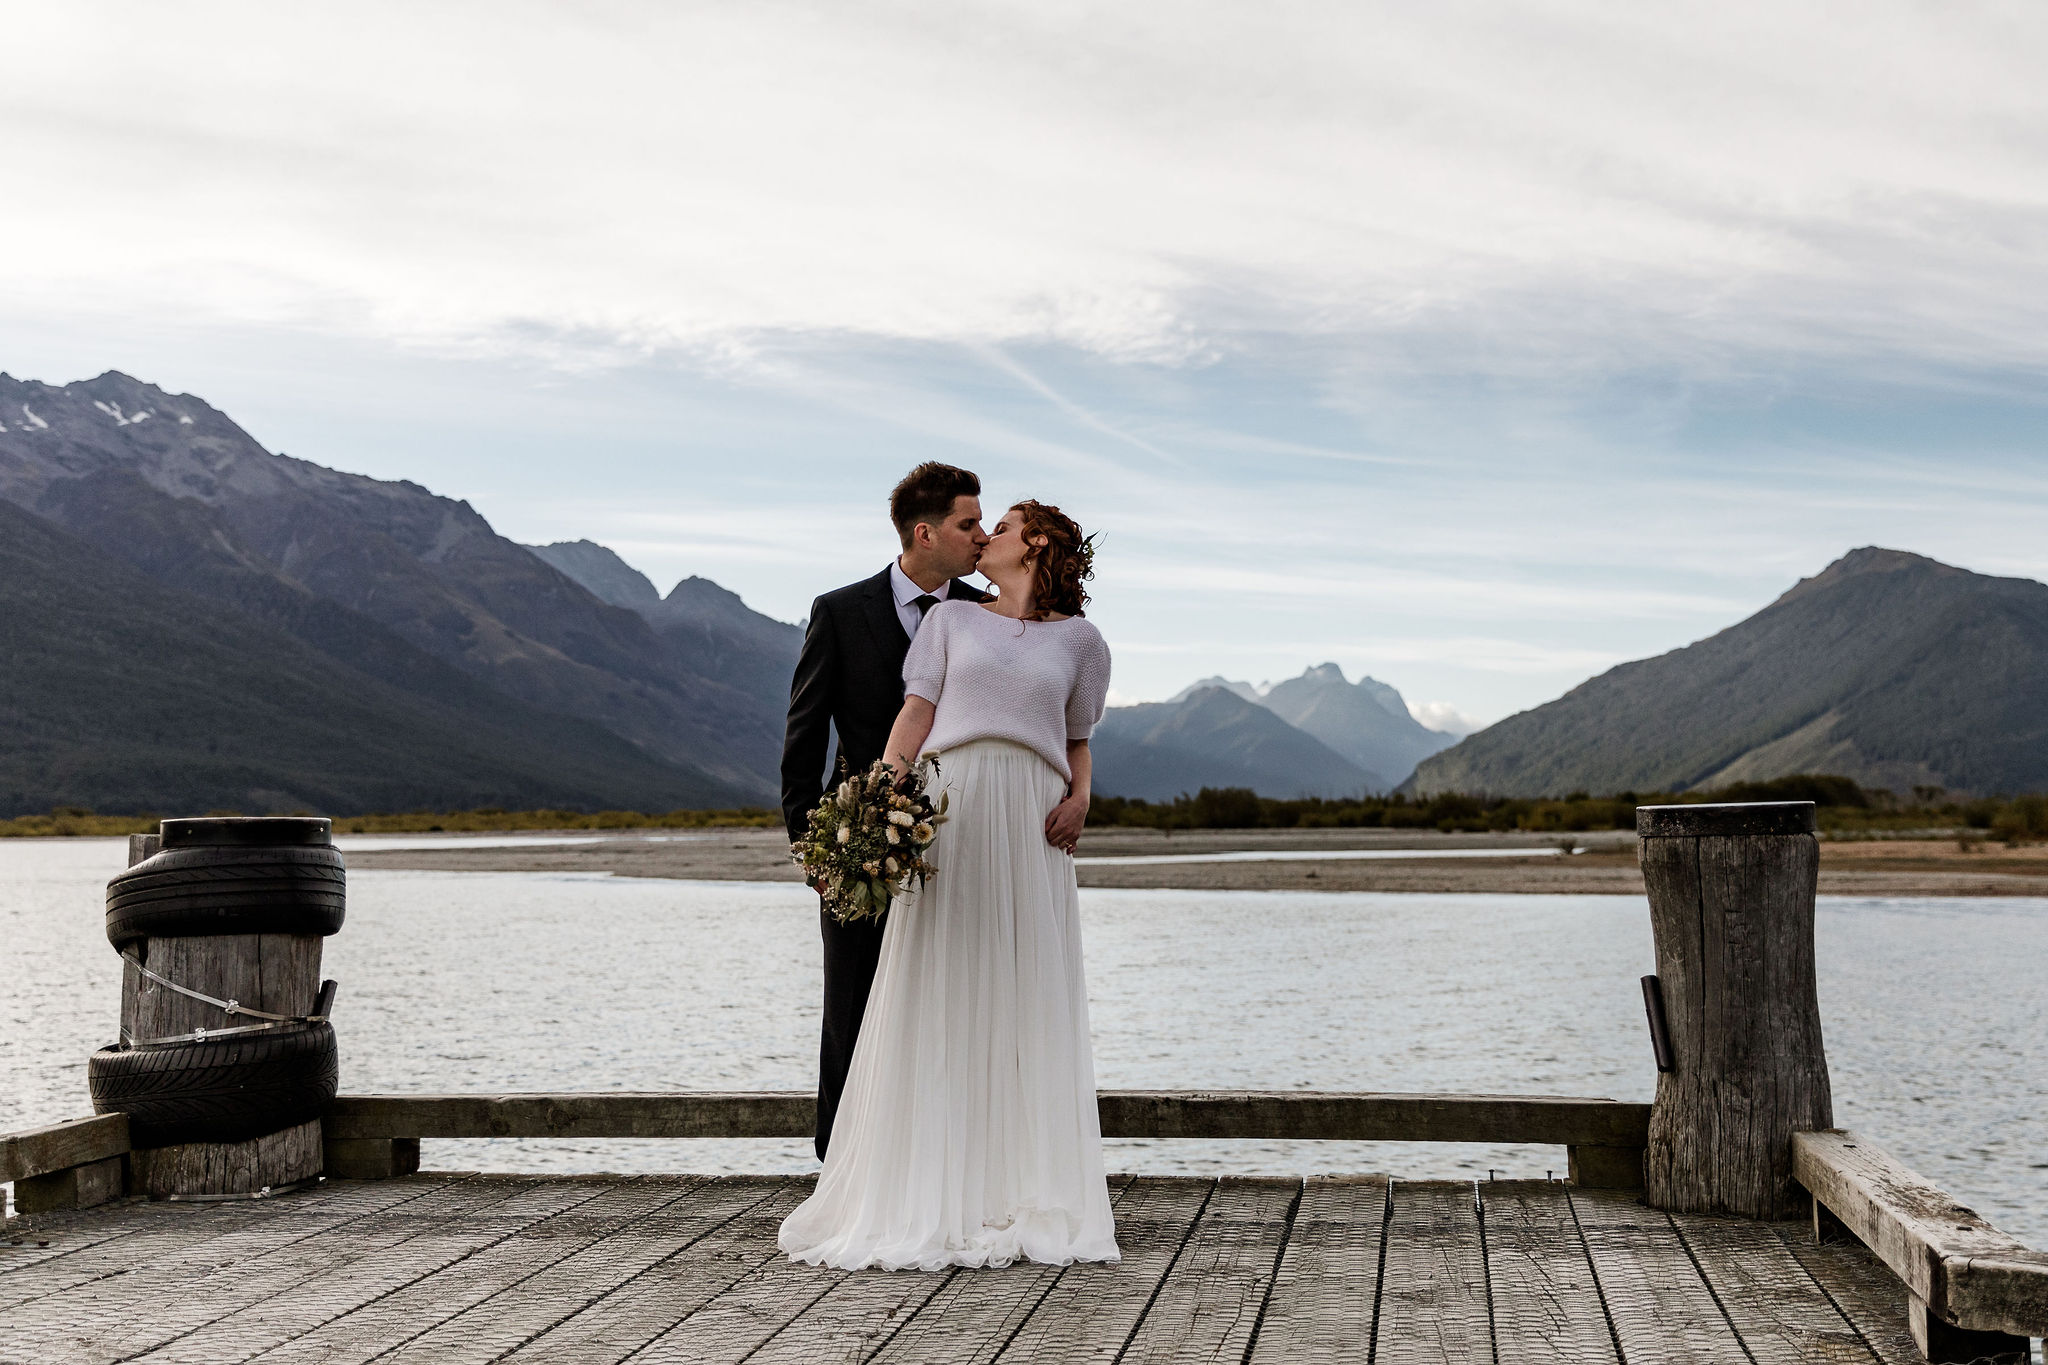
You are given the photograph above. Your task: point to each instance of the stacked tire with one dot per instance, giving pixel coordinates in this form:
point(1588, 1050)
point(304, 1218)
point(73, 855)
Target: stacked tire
point(224, 878)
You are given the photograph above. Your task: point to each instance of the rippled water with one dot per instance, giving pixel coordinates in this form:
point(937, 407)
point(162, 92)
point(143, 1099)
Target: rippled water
point(1937, 1024)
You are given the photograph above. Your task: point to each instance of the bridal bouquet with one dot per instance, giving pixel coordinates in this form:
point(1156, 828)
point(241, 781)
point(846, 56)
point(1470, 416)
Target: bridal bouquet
point(868, 837)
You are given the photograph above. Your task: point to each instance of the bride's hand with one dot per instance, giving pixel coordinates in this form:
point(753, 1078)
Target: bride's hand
point(1063, 826)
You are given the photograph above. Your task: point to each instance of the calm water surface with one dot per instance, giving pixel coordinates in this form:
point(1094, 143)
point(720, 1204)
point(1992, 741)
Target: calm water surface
point(1937, 1026)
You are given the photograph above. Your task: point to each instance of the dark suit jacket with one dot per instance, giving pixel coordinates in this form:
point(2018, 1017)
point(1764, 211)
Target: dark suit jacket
point(849, 675)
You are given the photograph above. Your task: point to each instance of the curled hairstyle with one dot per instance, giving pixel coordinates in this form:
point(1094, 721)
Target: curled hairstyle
point(1061, 565)
point(927, 493)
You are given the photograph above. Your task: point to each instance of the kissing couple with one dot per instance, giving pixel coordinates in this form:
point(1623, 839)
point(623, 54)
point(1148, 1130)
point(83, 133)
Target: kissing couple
point(956, 1088)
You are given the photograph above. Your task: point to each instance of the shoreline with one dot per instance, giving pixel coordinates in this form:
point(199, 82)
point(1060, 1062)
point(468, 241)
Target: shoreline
point(1849, 867)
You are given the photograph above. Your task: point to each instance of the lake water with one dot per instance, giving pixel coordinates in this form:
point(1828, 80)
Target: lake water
point(1936, 1016)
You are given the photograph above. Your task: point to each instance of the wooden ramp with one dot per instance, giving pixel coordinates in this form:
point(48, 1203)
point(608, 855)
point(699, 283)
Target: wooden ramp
point(451, 1267)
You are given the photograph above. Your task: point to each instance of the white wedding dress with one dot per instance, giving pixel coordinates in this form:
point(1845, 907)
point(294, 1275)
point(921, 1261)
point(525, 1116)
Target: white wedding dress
point(967, 1134)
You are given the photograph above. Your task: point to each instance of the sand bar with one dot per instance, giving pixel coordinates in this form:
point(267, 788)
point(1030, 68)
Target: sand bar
point(1410, 861)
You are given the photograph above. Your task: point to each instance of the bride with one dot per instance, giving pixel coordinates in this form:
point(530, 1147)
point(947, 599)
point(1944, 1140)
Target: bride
point(967, 1134)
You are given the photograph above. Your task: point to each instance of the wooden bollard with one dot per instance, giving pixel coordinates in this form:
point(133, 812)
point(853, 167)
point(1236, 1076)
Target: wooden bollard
point(220, 923)
point(1731, 903)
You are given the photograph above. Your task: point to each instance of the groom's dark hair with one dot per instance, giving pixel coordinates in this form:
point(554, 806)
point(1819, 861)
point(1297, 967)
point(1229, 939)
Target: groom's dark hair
point(927, 493)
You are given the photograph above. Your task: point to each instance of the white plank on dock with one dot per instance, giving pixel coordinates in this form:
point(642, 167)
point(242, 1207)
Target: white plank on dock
point(1546, 1303)
point(1433, 1308)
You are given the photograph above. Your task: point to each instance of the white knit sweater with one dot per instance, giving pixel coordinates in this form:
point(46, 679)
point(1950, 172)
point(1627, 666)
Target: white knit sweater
point(1036, 683)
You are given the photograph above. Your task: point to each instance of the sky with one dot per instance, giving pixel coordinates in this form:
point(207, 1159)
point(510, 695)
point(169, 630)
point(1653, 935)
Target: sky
point(1475, 347)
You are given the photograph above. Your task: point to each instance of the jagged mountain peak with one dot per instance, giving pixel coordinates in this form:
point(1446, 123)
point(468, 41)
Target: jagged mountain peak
point(600, 570)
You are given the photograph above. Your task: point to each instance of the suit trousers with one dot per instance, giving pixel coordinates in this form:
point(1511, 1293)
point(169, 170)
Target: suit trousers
point(851, 952)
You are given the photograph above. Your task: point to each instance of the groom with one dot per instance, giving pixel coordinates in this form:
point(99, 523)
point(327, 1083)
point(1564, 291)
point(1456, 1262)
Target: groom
point(850, 676)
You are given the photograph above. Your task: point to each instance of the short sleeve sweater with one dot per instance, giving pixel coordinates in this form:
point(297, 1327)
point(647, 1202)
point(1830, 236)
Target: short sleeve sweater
point(1041, 684)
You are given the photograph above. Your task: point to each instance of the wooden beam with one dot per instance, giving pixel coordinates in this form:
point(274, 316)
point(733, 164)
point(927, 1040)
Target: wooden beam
point(1125, 1113)
point(60, 1146)
point(1959, 1268)
point(1276, 1114)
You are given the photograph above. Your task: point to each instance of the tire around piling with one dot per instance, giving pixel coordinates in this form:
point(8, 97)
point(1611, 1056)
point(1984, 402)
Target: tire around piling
point(218, 1090)
point(228, 890)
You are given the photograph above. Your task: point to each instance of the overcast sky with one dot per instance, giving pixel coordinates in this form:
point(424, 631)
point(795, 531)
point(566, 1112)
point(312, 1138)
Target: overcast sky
point(1474, 346)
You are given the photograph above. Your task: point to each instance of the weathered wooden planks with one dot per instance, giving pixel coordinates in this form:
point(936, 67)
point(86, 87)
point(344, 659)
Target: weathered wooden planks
point(1209, 1307)
point(1284, 1114)
point(1546, 1303)
point(1660, 1307)
point(1323, 1299)
point(1773, 1304)
point(680, 1268)
point(971, 1318)
point(1433, 1293)
point(1093, 1309)
point(1964, 1270)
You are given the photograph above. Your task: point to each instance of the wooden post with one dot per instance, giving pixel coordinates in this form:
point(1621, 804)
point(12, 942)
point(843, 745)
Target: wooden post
point(1731, 892)
point(277, 973)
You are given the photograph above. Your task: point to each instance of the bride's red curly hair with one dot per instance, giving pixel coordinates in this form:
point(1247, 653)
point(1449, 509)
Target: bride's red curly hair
point(1061, 565)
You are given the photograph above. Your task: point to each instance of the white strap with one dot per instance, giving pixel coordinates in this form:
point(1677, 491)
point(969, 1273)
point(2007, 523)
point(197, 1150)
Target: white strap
point(230, 1007)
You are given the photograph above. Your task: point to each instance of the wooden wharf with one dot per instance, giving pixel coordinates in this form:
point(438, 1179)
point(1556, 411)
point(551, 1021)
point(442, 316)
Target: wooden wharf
point(1728, 1221)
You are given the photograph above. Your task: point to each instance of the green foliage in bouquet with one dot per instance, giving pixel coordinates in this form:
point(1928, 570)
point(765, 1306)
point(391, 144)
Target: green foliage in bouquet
point(867, 839)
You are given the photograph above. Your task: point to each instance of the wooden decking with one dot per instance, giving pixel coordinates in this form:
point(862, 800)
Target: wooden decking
point(448, 1268)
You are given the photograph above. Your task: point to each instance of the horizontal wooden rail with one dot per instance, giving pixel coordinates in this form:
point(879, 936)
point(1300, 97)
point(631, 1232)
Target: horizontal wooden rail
point(61, 1146)
point(1960, 1269)
point(1125, 1114)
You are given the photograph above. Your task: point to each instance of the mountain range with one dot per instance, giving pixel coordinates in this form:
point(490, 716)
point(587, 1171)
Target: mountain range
point(1315, 735)
point(396, 586)
point(192, 622)
point(1887, 667)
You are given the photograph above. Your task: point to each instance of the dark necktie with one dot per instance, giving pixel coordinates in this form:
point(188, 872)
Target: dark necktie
point(924, 604)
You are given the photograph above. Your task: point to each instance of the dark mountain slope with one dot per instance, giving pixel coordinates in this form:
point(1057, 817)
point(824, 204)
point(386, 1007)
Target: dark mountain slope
point(711, 629)
point(1888, 668)
point(100, 455)
point(119, 694)
point(1216, 739)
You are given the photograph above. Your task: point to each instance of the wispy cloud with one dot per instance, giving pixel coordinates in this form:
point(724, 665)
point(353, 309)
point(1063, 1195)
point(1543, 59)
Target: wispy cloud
point(1562, 190)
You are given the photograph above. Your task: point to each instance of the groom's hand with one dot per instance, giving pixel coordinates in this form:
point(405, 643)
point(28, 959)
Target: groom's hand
point(1063, 826)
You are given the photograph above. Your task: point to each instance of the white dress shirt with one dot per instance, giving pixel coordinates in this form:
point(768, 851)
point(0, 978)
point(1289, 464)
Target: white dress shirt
point(907, 594)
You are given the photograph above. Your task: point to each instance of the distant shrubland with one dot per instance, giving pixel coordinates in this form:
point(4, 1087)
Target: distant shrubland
point(71, 820)
point(1842, 807)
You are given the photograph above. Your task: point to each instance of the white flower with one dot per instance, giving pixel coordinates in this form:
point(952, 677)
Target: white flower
point(902, 817)
point(845, 833)
point(891, 832)
point(921, 833)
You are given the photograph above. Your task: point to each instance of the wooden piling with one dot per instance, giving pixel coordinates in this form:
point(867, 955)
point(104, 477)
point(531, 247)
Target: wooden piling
point(1731, 891)
point(276, 973)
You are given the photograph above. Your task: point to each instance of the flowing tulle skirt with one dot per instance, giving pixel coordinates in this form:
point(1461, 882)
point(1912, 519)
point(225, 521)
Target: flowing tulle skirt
point(967, 1134)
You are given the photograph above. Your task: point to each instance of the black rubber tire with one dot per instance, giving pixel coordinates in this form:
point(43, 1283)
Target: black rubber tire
point(213, 890)
point(244, 831)
point(224, 1090)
